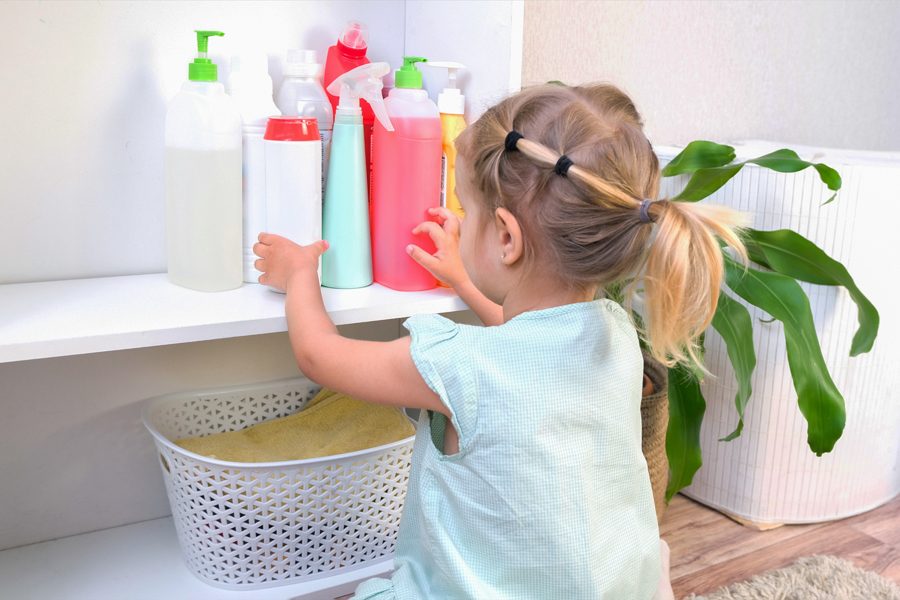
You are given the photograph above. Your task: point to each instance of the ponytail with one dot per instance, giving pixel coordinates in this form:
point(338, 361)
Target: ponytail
point(683, 275)
point(684, 267)
point(575, 167)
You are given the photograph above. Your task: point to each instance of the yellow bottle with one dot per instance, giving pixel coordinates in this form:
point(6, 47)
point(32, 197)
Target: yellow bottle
point(451, 126)
point(452, 106)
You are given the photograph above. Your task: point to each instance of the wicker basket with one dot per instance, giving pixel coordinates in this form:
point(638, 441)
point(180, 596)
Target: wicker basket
point(655, 420)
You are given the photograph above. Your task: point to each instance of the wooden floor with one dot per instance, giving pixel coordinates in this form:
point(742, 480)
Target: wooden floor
point(709, 550)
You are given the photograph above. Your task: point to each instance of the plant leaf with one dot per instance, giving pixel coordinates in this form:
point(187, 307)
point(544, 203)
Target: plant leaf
point(754, 252)
point(732, 322)
point(686, 408)
point(706, 181)
point(782, 297)
point(787, 161)
point(710, 171)
point(791, 254)
point(697, 155)
point(783, 161)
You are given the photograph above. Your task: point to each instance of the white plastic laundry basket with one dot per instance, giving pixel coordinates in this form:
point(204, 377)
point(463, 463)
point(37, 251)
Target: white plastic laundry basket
point(768, 475)
point(253, 525)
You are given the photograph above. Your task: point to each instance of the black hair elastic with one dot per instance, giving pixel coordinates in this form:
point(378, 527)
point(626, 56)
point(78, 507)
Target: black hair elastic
point(512, 139)
point(645, 210)
point(562, 165)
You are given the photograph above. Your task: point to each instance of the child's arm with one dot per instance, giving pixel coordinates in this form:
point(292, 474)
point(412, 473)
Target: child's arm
point(446, 264)
point(379, 372)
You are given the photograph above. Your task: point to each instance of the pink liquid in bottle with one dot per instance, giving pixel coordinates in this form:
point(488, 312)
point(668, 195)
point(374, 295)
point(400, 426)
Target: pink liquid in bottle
point(406, 182)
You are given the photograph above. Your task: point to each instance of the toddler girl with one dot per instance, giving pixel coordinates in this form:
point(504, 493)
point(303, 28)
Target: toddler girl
point(527, 479)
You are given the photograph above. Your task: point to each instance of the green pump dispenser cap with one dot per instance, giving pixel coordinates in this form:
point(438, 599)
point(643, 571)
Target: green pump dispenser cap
point(203, 69)
point(408, 76)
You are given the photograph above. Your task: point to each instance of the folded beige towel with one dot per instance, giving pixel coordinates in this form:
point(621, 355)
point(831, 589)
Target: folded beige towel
point(331, 423)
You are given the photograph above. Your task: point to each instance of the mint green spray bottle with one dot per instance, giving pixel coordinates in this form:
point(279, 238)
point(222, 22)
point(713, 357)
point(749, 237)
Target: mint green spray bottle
point(345, 216)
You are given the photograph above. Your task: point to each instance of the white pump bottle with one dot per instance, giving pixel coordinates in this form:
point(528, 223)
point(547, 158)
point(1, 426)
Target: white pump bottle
point(203, 181)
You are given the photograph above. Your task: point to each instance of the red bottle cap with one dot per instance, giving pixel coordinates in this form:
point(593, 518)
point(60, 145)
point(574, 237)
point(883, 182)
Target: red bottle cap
point(292, 129)
point(350, 51)
point(353, 42)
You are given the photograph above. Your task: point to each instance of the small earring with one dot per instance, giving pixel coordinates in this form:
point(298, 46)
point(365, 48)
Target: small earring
point(503, 256)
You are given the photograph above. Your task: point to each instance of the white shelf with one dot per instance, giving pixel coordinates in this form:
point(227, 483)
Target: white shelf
point(80, 316)
point(141, 561)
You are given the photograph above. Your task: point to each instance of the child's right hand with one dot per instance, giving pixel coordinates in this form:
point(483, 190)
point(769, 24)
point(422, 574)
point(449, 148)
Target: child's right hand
point(445, 263)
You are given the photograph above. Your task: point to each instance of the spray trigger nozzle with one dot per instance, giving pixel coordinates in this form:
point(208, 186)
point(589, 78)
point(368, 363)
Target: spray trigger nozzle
point(363, 82)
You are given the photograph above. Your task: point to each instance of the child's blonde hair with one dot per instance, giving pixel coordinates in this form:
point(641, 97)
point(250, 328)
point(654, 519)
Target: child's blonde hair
point(589, 222)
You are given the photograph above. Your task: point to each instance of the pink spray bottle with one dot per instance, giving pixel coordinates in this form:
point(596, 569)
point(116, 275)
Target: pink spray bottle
point(406, 181)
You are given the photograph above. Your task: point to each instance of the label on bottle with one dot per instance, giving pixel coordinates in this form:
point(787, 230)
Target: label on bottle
point(325, 135)
point(444, 179)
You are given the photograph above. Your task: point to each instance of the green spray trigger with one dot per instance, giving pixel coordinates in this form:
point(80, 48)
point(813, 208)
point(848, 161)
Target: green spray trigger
point(408, 76)
point(203, 69)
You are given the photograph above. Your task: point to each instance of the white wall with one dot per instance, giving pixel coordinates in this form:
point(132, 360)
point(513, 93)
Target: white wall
point(822, 73)
point(493, 58)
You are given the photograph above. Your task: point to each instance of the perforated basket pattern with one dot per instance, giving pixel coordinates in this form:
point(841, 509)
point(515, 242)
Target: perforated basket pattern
point(246, 526)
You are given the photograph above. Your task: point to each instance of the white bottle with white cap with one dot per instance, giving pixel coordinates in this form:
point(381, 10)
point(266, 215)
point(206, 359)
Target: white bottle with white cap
point(250, 86)
point(302, 95)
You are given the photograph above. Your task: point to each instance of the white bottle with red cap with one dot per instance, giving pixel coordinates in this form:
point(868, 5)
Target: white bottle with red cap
point(293, 179)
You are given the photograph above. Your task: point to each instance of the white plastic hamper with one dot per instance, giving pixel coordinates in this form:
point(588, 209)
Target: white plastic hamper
point(253, 525)
point(769, 476)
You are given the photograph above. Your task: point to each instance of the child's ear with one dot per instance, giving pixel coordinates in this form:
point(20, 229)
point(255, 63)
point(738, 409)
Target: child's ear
point(509, 236)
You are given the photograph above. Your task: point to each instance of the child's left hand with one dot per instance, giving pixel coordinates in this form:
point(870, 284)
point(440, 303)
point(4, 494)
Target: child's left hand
point(280, 259)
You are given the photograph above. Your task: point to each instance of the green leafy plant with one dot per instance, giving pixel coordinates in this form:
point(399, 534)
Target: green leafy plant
point(781, 258)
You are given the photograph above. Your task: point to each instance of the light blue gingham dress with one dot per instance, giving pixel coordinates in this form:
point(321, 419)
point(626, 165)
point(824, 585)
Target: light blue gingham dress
point(549, 496)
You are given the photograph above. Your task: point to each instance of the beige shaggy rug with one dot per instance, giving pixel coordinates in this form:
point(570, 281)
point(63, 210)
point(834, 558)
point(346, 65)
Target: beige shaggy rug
point(810, 578)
